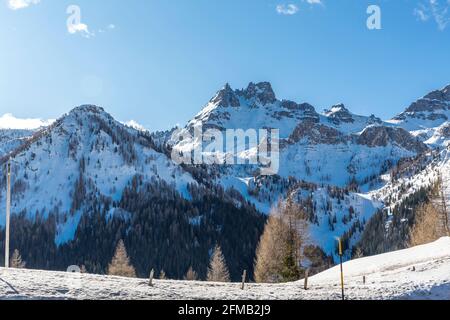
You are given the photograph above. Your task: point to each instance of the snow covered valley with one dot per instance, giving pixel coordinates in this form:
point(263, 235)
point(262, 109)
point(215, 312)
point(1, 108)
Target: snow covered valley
point(421, 272)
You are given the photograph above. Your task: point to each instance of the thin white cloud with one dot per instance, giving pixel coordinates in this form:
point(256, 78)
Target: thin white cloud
point(438, 10)
point(109, 27)
point(135, 125)
point(421, 14)
point(8, 121)
point(81, 28)
point(288, 10)
point(21, 4)
point(313, 2)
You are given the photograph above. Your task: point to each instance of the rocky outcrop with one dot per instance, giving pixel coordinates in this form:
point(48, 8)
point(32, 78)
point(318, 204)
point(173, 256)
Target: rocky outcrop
point(315, 133)
point(226, 97)
point(261, 91)
point(381, 136)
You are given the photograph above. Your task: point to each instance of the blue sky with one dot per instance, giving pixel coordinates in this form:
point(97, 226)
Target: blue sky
point(159, 61)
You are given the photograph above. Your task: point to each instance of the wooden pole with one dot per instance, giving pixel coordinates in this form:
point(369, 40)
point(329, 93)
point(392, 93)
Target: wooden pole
point(8, 213)
point(150, 282)
point(342, 268)
point(244, 277)
point(306, 279)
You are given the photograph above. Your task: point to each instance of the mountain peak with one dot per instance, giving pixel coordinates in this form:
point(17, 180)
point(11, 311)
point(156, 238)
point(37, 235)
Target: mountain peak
point(88, 108)
point(337, 108)
point(262, 91)
point(339, 113)
point(441, 95)
point(432, 106)
point(226, 97)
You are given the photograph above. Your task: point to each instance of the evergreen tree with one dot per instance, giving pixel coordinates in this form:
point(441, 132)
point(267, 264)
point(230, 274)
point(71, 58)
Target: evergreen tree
point(278, 253)
point(120, 264)
point(427, 226)
point(16, 260)
point(191, 275)
point(218, 270)
point(270, 251)
point(162, 275)
point(290, 270)
point(358, 253)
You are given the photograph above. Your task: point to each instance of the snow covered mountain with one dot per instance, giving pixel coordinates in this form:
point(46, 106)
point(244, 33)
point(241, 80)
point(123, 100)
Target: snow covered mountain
point(428, 118)
point(86, 149)
point(118, 179)
point(11, 139)
point(330, 161)
point(361, 146)
point(87, 179)
point(14, 131)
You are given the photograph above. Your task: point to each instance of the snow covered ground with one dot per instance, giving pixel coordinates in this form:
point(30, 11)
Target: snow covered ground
point(417, 273)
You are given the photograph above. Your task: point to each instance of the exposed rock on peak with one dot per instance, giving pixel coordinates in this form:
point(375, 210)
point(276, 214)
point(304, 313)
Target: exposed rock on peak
point(88, 108)
point(226, 97)
point(374, 120)
point(315, 133)
point(262, 91)
point(435, 101)
point(381, 136)
point(442, 95)
point(339, 113)
point(445, 131)
point(308, 112)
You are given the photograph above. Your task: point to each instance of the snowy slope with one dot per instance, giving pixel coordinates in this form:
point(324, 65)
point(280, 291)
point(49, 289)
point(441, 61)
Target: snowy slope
point(352, 153)
point(417, 273)
point(307, 137)
point(11, 139)
point(85, 145)
point(428, 118)
point(336, 148)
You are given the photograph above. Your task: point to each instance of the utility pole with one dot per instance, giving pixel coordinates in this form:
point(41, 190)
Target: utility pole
point(8, 212)
point(341, 253)
point(444, 206)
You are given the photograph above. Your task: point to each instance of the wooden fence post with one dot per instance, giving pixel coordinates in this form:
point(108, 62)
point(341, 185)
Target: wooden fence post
point(364, 279)
point(306, 279)
point(152, 273)
point(244, 277)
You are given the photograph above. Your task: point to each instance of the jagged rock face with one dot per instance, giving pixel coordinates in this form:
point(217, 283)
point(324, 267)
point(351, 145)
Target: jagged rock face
point(254, 107)
point(226, 98)
point(433, 106)
point(445, 131)
point(262, 91)
point(442, 95)
point(417, 109)
point(378, 136)
point(305, 110)
point(426, 117)
point(338, 114)
point(314, 133)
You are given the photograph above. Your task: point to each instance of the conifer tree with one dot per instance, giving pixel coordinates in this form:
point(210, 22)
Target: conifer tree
point(120, 264)
point(191, 275)
point(270, 251)
point(279, 252)
point(162, 275)
point(427, 226)
point(218, 270)
point(16, 260)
